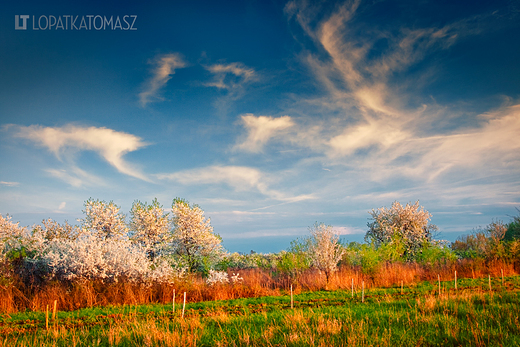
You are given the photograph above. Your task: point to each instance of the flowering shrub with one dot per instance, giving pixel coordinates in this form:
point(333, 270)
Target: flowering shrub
point(16, 241)
point(217, 277)
point(235, 278)
point(69, 253)
point(11, 236)
point(87, 258)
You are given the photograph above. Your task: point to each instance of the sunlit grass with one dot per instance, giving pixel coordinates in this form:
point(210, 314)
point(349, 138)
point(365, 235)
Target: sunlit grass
point(472, 315)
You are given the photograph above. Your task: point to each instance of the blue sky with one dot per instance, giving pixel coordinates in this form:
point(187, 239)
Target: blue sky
point(270, 115)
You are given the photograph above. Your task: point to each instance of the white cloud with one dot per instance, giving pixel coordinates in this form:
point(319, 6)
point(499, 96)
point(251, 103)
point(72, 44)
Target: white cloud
point(76, 177)
point(240, 178)
point(366, 135)
point(111, 145)
point(9, 184)
point(493, 145)
point(165, 66)
point(261, 129)
point(63, 204)
point(368, 125)
point(348, 230)
point(230, 76)
point(232, 80)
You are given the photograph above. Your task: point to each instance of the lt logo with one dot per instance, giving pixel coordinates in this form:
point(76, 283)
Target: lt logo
point(17, 18)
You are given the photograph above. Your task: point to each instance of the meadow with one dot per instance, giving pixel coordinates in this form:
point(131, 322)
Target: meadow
point(480, 312)
point(165, 280)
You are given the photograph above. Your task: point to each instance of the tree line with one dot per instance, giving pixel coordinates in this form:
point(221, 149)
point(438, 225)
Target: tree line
point(158, 246)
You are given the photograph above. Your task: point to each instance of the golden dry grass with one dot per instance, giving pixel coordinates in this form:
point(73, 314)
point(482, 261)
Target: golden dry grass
point(16, 297)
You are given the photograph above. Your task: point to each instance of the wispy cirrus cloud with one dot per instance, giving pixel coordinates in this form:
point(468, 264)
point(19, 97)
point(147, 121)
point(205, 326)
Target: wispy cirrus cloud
point(232, 79)
point(230, 76)
point(63, 142)
point(240, 178)
point(261, 129)
point(9, 184)
point(76, 177)
point(380, 131)
point(164, 66)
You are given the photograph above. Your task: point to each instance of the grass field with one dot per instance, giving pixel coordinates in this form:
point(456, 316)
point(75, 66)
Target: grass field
point(471, 315)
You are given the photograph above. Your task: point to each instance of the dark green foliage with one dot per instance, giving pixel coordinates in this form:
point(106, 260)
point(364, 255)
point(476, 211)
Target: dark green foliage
point(513, 229)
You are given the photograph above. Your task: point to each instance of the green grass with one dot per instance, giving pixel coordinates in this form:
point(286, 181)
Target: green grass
point(470, 316)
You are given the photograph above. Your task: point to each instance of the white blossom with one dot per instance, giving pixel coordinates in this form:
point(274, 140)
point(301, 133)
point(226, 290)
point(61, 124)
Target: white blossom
point(325, 250)
point(409, 224)
point(103, 219)
point(52, 229)
point(235, 278)
point(193, 236)
point(149, 226)
point(111, 260)
point(217, 277)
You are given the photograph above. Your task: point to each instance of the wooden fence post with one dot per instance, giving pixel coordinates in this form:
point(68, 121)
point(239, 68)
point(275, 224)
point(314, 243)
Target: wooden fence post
point(455, 280)
point(292, 305)
point(184, 305)
point(54, 310)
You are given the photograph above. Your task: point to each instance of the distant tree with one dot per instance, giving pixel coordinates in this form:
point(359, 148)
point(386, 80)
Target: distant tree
point(484, 243)
point(296, 260)
point(406, 226)
point(193, 236)
point(324, 249)
point(513, 229)
point(149, 226)
point(103, 219)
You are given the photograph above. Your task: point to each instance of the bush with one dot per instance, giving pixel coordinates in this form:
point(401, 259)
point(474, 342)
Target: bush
point(435, 255)
point(324, 249)
point(111, 260)
point(408, 225)
point(370, 259)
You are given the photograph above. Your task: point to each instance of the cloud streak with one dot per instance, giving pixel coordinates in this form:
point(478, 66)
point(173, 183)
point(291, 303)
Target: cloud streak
point(232, 79)
point(379, 132)
point(63, 142)
point(261, 129)
point(240, 178)
point(9, 184)
point(164, 66)
point(230, 76)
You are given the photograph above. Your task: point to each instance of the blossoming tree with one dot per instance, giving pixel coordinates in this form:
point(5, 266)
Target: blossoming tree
point(401, 225)
point(149, 227)
point(324, 249)
point(193, 236)
point(103, 219)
